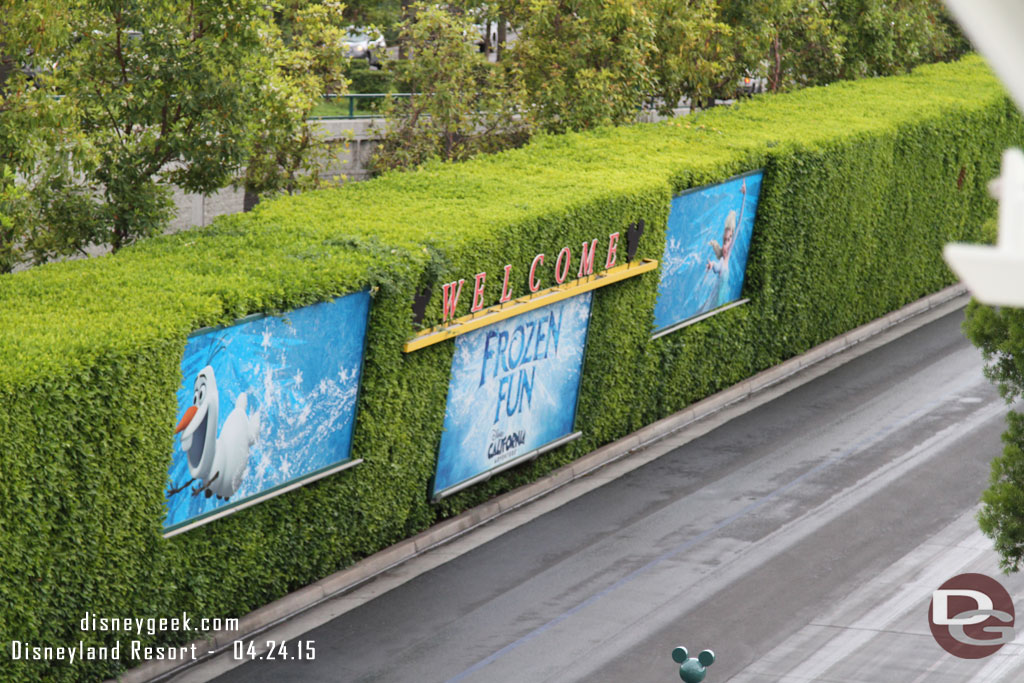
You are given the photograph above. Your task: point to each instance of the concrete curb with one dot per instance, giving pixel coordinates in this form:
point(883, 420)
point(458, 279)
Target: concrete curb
point(345, 580)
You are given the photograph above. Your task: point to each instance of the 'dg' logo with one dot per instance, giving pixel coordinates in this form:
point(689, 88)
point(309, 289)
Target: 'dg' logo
point(971, 616)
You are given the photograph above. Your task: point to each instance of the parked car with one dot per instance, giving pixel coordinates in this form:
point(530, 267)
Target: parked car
point(751, 85)
point(364, 43)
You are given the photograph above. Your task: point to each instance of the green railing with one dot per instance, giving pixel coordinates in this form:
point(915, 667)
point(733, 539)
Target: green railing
point(353, 105)
point(368, 105)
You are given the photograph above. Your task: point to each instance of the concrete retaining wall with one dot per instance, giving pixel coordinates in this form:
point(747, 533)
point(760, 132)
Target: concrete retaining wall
point(353, 139)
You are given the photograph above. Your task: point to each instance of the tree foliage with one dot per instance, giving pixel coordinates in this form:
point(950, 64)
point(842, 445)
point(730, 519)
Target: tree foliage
point(166, 93)
point(696, 53)
point(39, 147)
point(586, 62)
point(107, 107)
point(305, 48)
point(790, 43)
point(384, 14)
point(889, 37)
point(462, 105)
point(999, 333)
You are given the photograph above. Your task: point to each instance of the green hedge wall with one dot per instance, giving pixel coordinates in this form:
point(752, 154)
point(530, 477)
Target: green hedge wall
point(863, 183)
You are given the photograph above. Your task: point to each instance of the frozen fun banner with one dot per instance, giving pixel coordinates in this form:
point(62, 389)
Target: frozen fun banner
point(263, 404)
point(513, 389)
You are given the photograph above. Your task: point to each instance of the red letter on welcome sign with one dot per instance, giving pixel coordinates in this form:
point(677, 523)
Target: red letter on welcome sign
point(478, 293)
point(587, 259)
point(613, 242)
point(562, 272)
point(450, 298)
point(506, 293)
point(537, 260)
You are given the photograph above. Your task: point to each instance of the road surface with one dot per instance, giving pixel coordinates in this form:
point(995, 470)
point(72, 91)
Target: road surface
point(800, 541)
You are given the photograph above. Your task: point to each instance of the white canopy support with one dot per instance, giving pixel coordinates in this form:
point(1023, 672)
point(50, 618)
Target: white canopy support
point(995, 275)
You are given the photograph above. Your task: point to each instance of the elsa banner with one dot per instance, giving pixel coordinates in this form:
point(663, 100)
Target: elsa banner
point(264, 404)
point(707, 244)
point(513, 390)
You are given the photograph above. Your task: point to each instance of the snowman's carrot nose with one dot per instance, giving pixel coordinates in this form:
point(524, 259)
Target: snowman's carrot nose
point(186, 418)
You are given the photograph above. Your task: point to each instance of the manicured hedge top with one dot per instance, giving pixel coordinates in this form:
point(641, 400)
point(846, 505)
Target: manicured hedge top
point(301, 249)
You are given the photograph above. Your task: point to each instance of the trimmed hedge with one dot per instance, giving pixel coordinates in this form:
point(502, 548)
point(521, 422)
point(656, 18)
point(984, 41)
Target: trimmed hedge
point(863, 183)
point(366, 80)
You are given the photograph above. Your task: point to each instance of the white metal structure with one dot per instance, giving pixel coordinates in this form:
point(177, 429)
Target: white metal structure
point(995, 275)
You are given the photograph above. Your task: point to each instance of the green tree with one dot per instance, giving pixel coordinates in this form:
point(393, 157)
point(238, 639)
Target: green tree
point(385, 14)
point(696, 53)
point(43, 154)
point(167, 94)
point(462, 106)
point(792, 43)
point(120, 101)
point(889, 37)
point(288, 153)
point(48, 205)
point(585, 62)
point(11, 202)
point(999, 333)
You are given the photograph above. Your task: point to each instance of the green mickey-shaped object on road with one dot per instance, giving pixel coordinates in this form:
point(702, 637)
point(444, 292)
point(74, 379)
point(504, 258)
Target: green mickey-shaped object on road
point(692, 670)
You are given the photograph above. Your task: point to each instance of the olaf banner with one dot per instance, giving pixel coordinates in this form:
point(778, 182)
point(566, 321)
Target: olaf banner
point(265, 404)
point(706, 249)
point(513, 390)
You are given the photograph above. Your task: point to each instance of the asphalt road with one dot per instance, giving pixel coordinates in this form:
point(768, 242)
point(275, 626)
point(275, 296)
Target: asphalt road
point(800, 541)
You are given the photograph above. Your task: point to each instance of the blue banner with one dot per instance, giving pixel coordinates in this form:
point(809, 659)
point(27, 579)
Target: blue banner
point(706, 249)
point(513, 389)
point(264, 403)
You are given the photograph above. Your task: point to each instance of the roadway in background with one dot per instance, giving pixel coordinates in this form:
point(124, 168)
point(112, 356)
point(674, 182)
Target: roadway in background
point(801, 541)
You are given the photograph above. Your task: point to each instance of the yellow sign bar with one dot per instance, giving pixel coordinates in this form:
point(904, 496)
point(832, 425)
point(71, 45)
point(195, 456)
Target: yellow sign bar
point(545, 297)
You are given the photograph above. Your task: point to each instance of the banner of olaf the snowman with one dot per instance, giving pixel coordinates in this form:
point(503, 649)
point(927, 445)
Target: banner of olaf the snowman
point(264, 404)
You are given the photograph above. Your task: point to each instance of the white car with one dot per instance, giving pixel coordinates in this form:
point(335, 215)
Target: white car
point(752, 85)
point(363, 43)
